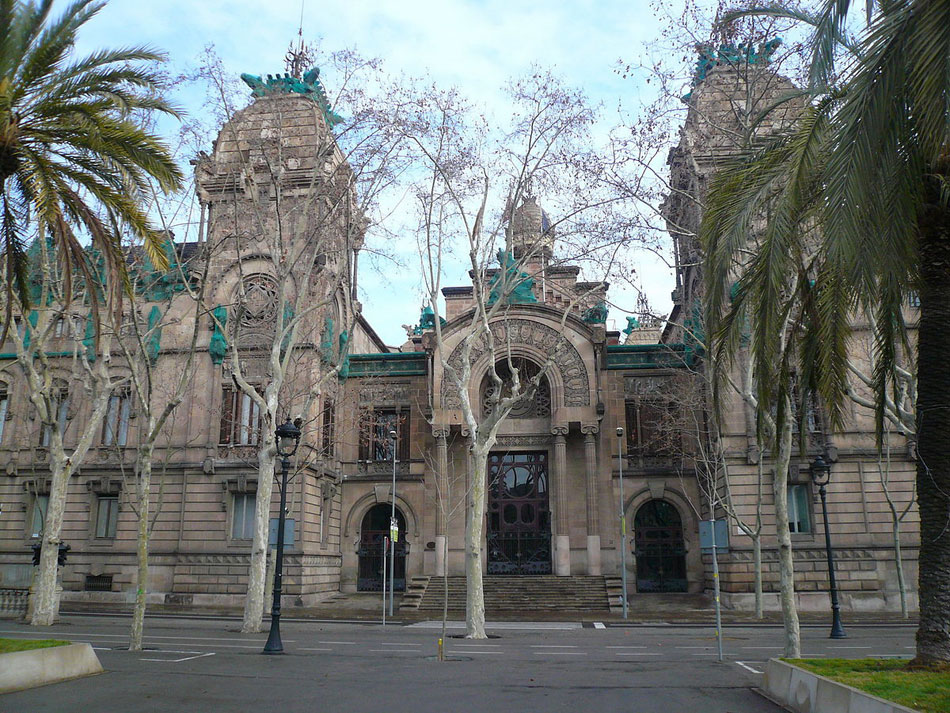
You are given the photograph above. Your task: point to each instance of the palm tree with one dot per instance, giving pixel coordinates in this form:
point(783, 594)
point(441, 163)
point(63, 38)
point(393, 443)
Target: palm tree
point(858, 199)
point(72, 153)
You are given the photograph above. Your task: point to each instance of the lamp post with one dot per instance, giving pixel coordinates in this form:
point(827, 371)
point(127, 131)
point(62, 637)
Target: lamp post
point(393, 527)
point(820, 475)
point(288, 438)
point(623, 527)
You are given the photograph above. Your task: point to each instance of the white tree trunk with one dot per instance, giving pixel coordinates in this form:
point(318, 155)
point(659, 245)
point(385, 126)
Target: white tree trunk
point(254, 604)
point(785, 561)
point(474, 596)
point(46, 601)
point(143, 487)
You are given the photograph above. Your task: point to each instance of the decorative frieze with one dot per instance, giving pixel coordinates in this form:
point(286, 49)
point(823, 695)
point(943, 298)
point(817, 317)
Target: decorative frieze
point(564, 355)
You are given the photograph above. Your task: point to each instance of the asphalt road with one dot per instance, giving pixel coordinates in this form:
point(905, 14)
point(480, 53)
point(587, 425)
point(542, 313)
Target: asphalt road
point(547, 667)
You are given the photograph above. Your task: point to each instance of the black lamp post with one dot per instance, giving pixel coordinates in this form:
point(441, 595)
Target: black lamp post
point(288, 438)
point(820, 475)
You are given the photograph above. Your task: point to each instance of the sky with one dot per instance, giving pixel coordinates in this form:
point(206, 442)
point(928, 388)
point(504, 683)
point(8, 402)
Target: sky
point(475, 45)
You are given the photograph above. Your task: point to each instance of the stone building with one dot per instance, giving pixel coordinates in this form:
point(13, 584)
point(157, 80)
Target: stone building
point(554, 491)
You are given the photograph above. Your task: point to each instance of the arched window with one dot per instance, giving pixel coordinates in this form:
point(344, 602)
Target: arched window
point(537, 407)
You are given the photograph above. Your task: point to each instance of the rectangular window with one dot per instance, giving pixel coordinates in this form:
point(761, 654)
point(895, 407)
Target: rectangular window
point(375, 442)
point(115, 428)
point(799, 518)
point(38, 520)
point(107, 515)
point(61, 407)
point(651, 432)
point(240, 418)
point(328, 429)
point(4, 409)
point(242, 516)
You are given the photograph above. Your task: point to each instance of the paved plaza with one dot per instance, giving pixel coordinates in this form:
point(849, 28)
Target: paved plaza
point(207, 665)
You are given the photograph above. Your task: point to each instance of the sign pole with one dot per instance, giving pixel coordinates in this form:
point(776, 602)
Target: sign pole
point(385, 548)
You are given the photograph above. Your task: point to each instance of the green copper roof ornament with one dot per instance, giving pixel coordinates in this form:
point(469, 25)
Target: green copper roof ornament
point(344, 354)
point(31, 320)
point(731, 54)
point(309, 86)
point(632, 324)
point(326, 341)
point(218, 346)
point(517, 285)
point(427, 320)
point(596, 314)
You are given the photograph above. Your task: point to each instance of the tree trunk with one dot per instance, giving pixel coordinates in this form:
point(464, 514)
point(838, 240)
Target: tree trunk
point(46, 604)
point(257, 572)
point(143, 488)
point(785, 562)
point(933, 425)
point(474, 595)
point(757, 573)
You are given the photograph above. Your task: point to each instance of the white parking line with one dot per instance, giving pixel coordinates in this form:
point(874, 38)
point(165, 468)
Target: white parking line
point(559, 653)
point(393, 651)
point(342, 643)
point(748, 668)
point(626, 647)
point(187, 658)
point(302, 649)
point(383, 643)
point(849, 647)
point(553, 646)
point(636, 653)
point(691, 647)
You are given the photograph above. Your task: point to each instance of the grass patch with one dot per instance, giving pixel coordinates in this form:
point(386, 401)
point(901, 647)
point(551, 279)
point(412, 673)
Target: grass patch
point(8, 646)
point(892, 679)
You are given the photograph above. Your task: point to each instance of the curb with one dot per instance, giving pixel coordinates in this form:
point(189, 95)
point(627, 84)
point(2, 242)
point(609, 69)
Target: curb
point(38, 667)
point(805, 692)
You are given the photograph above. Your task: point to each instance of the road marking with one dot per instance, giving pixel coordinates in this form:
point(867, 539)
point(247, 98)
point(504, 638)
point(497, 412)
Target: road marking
point(559, 653)
point(748, 668)
point(636, 653)
point(474, 651)
point(393, 651)
point(187, 658)
point(553, 646)
point(599, 625)
point(691, 647)
point(314, 649)
point(383, 643)
point(482, 646)
point(626, 647)
point(98, 648)
point(764, 648)
point(849, 647)
point(342, 643)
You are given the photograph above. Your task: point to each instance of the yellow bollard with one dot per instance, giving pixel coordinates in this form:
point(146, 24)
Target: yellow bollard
point(440, 650)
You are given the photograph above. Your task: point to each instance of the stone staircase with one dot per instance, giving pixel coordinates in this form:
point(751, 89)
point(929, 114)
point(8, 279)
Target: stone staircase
point(509, 593)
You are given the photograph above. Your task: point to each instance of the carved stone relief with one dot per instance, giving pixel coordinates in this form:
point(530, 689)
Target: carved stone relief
point(384, 394)
point(566, 359)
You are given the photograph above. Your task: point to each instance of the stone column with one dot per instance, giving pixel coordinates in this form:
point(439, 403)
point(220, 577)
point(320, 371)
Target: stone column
point(442, 496)
point(593, 524)
point(562, 539)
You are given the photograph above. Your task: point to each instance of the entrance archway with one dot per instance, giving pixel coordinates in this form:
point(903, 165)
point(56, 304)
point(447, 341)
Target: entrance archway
point(659, 548)
point(519, 519)
point(374, 528)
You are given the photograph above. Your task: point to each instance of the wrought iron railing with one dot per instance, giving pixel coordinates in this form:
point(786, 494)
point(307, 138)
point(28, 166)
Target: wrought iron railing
point(519, 553)
point(370, 575)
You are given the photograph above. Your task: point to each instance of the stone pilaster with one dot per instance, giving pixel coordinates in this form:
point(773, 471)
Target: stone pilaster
point(593, 524)
point(562, 540)
point(442, 493)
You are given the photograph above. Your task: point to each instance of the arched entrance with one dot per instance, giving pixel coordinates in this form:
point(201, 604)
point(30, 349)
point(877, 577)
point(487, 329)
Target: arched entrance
point(519, 520)
point(374, 528)
point(659, 548)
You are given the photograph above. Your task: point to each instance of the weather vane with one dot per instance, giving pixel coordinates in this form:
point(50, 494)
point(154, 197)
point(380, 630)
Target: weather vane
point(301, 57)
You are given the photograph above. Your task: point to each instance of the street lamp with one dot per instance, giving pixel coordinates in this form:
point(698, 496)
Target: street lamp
point(623, 527)
point(393, 527)
point(820, 475)
point(288, 438)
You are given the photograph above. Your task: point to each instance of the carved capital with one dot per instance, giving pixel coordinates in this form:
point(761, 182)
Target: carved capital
point(440, 432)
point(559, 431)
point(590, 429)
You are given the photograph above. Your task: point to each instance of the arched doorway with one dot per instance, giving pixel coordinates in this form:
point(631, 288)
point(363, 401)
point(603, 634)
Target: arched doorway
point(374, 528)
point(519, 521)
point(659, 548)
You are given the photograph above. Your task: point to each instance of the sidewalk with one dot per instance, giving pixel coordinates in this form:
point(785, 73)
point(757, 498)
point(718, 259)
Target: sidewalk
point(661, 609)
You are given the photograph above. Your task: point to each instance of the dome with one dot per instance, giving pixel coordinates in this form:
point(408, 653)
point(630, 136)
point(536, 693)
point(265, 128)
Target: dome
point(531, 228)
